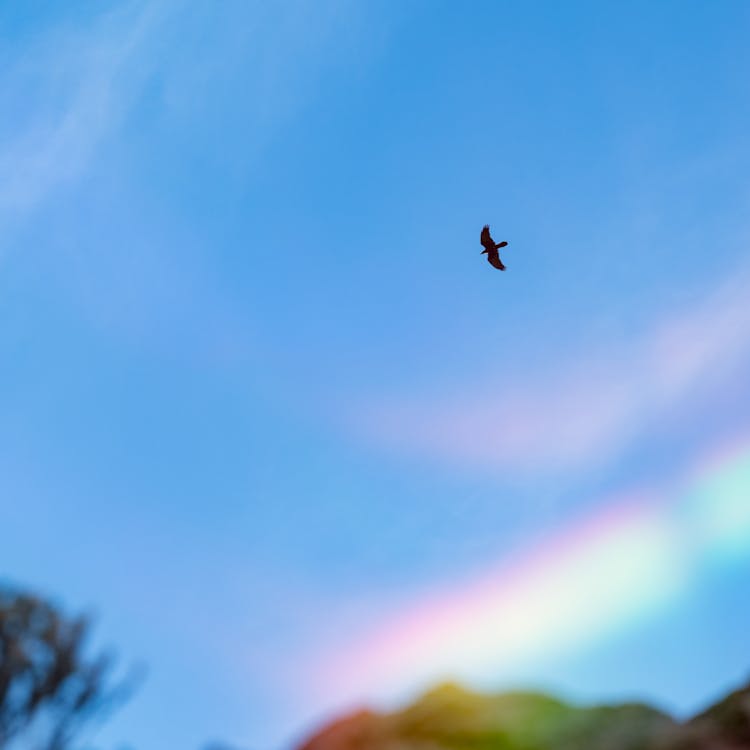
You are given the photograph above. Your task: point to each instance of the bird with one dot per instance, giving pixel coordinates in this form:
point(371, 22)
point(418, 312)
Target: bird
point(490, 247)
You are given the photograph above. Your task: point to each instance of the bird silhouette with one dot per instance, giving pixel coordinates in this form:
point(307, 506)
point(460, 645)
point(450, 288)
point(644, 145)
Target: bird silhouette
point(490, 247)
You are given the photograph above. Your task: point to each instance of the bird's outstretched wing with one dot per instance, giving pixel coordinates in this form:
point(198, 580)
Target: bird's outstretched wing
point(485, 239)
point(494, 260)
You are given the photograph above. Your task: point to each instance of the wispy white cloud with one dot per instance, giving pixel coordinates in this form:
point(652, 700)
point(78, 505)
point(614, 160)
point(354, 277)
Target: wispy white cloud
point(63, 93)
point(578, 413)
point(65, 90)
point(214, 79)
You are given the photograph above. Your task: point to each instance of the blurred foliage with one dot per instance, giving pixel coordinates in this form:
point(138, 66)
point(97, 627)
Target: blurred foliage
point(49, 687)
point(452, 718)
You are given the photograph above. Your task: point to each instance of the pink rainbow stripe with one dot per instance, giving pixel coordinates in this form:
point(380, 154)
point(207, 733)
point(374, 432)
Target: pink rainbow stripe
point(600, 574)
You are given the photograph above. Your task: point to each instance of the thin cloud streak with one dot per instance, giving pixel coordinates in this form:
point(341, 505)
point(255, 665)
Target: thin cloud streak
point(85, 80)
point(576, 415)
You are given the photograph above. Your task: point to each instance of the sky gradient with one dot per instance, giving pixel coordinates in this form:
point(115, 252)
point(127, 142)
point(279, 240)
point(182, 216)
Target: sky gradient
point(269, 413)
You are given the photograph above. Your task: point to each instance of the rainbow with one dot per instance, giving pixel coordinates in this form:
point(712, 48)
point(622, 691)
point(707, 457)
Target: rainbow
point(601, 574)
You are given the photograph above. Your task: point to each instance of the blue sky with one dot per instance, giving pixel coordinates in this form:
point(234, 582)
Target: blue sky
point(259, 390)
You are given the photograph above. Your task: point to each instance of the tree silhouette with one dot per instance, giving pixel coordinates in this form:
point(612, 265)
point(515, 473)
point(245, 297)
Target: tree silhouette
point(49, 687)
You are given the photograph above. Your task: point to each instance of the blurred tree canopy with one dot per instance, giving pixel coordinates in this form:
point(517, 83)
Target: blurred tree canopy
point(49, 687)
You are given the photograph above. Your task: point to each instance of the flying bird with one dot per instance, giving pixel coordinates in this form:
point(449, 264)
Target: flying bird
point(490, 247)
